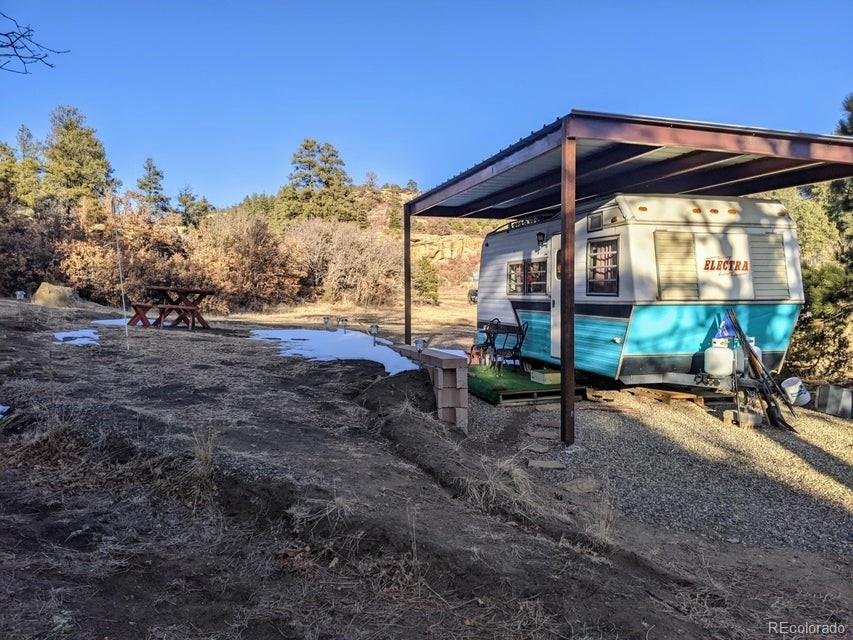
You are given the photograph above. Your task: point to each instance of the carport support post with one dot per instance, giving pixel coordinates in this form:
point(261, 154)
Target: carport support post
point(567, 290)
point(407, 275)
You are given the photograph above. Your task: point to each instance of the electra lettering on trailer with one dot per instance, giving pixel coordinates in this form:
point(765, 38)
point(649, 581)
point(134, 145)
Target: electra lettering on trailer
point(725, 264)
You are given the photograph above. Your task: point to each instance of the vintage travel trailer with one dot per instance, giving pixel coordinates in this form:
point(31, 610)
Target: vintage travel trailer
point(654, 275)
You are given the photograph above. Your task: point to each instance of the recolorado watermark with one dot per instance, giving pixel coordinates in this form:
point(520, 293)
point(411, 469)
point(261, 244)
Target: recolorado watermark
point(783, 627)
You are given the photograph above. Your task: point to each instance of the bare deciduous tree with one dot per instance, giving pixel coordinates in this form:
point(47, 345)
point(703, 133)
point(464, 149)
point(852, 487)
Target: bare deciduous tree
point(18, 49)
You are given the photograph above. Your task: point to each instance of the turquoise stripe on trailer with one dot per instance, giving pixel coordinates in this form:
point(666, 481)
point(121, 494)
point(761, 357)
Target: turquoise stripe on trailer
point(537, 342)
point(598, 344)
point(689, 328)
point(598, 341)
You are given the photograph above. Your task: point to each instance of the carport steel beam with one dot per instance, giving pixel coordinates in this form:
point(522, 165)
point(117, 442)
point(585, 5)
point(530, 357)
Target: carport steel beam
point(786, 159)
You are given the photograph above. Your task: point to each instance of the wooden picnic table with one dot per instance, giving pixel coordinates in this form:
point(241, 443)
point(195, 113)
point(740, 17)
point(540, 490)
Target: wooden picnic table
point(183, 301)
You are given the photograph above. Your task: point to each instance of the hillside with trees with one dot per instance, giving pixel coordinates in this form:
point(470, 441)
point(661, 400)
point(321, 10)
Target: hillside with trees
point(64, 219)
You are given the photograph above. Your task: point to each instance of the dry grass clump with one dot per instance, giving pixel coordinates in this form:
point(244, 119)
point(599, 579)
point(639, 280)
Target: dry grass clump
point(195, 481)
point(320, 516)
point(506, 488)
point(51, 439)
point(201, 484)
point(409, 408)
point(601, 519)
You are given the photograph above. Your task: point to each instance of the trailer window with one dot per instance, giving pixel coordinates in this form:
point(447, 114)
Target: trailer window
point(515, 278)
point(603, 267)
point(528, 277)
point(536, 278)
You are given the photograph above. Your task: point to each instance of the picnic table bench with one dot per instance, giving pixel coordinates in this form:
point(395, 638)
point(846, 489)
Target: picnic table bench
point(183, 301)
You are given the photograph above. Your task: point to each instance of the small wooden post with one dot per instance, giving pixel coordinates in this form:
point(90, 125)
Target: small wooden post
point(407, 275)
point(567, 291)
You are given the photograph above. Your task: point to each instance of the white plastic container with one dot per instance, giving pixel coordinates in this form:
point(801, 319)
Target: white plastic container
point(796, 392)
point(719, 359)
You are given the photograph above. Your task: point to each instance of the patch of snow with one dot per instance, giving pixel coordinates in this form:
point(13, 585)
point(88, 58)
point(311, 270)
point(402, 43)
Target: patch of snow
point(319, 344)
point(3, 409)
point(79, 337)
point(111, 322)
point(453, 352)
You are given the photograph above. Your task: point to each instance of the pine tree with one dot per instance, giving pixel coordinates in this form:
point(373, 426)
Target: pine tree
point(425, 281)
point(29, 168)
point(318, 187)
point(151, 186)
point(190, 208)
point(258, 204)
point(395, 212)
point(412, 186)
point(8, 172)
point(76, 164)
point(837, 196)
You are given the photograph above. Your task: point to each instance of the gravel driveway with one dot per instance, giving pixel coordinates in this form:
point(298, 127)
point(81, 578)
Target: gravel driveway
point(679, 468)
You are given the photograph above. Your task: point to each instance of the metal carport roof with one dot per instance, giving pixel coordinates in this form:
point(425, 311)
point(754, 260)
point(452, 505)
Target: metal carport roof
point(586, 156)
point(618, 153)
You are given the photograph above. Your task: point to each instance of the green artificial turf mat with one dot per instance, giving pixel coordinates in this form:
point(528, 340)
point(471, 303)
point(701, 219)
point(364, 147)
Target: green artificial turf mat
point(484, 382)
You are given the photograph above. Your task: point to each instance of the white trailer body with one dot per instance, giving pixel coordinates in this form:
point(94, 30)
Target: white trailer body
point(654, 275)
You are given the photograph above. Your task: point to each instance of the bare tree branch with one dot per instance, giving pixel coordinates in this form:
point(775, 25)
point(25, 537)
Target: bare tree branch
point(18, 49)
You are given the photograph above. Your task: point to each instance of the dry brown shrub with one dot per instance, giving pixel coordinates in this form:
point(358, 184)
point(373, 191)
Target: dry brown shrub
point(458, 271)
point(151, 253)
point(365, 269)
point(25, 250)
point(313, 240)
point(239, 255)
point(346, 263)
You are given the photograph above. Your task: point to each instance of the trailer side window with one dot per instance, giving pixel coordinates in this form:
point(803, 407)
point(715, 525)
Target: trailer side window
point(515, 278)
point(530, 276)
point(603, 267)
point(536, 278)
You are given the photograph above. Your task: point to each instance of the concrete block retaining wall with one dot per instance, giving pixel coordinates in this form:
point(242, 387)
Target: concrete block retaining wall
point(449, 375)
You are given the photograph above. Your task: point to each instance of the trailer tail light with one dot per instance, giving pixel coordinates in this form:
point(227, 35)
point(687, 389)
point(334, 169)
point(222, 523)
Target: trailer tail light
point(644, 208)
point(732, 211)
point(697, 210)
point(781, 213)
point(715, 211)
point(614, 219)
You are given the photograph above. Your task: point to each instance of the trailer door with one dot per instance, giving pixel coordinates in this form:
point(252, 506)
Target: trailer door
point(554, 256)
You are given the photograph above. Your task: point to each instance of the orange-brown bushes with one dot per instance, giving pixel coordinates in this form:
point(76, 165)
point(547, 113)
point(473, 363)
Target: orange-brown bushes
point(151, 252)
point(239, 255)
point(234, 252)
point(25, 251)
point(345, 262)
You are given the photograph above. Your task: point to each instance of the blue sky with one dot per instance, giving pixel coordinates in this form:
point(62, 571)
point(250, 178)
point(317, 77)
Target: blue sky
point(220, 94)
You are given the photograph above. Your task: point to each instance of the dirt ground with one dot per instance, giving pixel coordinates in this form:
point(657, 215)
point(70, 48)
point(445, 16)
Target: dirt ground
point(199, 485)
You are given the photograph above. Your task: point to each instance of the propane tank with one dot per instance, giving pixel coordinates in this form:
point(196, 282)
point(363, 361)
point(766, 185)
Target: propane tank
point(740, 355)
point(719, 359)
point(740, 360)
point(755, 347)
